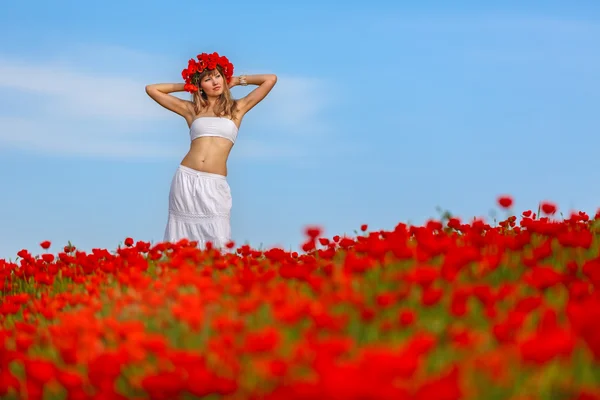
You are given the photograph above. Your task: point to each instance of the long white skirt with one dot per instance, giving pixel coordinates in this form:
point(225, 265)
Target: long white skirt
point(199, 208)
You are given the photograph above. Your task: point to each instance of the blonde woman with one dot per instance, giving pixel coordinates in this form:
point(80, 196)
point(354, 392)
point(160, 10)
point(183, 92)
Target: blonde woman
point(200, 198)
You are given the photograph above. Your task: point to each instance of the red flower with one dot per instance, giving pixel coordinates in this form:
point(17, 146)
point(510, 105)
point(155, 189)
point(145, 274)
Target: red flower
point(446, 387)
point(454, 223)
point(544, 346)
point(548, 208)
point(23, 253)
point(128, 242)
point(7, 381)
point(584, 316)
point(188, 87)
point(277, 368)
point(309, 245)
point(431, 296)
point(264, 340)
point(324, 241)
point(407, 317)
point(40, 371)
point(45, 244)
point(458, 303)
point(385, 299)
point(70, 379)
point(461, 337)
point(424, 275)
point(367, 314)
point(164, 385)
point(105, 368)
point(23, 342)
point(585, 395)
point(591, 269)
point(312, 232)
point(543, 277)
point(505, 201)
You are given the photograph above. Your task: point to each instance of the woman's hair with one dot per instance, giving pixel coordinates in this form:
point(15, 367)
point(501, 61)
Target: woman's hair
point(225, 105)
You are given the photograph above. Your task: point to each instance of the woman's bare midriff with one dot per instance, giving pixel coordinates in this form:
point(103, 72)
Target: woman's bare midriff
point(208, 154)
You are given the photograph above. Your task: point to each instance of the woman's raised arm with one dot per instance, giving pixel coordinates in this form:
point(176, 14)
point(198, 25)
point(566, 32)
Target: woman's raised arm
point(159, 92)
point(265, 83)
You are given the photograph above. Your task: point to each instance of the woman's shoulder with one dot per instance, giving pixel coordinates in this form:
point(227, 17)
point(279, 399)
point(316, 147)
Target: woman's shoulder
point(191, 111)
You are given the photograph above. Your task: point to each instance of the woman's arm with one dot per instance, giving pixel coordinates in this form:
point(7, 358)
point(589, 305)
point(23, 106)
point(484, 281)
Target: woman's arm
point(159, 92)
point(265, 83)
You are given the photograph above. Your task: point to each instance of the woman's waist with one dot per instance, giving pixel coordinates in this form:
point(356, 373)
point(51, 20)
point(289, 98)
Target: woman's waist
point(204, 163)
point(204, 172)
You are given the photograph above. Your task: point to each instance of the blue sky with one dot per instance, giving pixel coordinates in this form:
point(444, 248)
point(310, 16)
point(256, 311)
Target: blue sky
point(383, 111)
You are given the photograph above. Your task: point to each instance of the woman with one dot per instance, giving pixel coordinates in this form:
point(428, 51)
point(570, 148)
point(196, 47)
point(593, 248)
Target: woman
point(200, 197)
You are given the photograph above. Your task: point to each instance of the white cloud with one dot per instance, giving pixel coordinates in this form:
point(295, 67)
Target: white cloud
point(60, 139)
point(298, 106)
point(79, 112)
point(67, 92)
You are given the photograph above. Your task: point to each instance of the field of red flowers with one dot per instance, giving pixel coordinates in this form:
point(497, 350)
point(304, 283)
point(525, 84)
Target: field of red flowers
point(448, 310)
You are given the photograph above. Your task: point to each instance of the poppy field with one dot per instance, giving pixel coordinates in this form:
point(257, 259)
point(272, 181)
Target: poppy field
point(448, 310)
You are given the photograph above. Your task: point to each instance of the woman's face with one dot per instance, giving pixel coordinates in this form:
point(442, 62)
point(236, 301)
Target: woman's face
point(213, 84)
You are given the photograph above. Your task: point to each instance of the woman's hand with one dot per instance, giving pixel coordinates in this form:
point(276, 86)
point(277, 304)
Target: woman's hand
point(235, 81)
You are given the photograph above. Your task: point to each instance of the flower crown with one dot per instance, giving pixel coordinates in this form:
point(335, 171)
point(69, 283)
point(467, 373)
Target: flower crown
point(191, 74)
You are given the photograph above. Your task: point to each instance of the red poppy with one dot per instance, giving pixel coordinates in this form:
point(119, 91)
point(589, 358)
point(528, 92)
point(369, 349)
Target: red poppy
point(548, 208)
point(505, 201)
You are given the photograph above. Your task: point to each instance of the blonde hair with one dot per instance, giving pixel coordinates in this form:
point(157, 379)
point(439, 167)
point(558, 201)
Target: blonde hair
point(225, 106)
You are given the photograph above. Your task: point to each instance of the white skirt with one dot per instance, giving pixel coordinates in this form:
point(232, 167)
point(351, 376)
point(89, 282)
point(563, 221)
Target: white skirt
point(199, 208)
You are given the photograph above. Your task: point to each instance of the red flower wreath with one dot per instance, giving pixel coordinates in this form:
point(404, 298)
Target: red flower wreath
point(191, 74)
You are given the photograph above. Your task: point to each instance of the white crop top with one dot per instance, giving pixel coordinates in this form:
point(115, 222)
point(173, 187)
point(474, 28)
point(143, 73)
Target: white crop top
point(214, 126)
